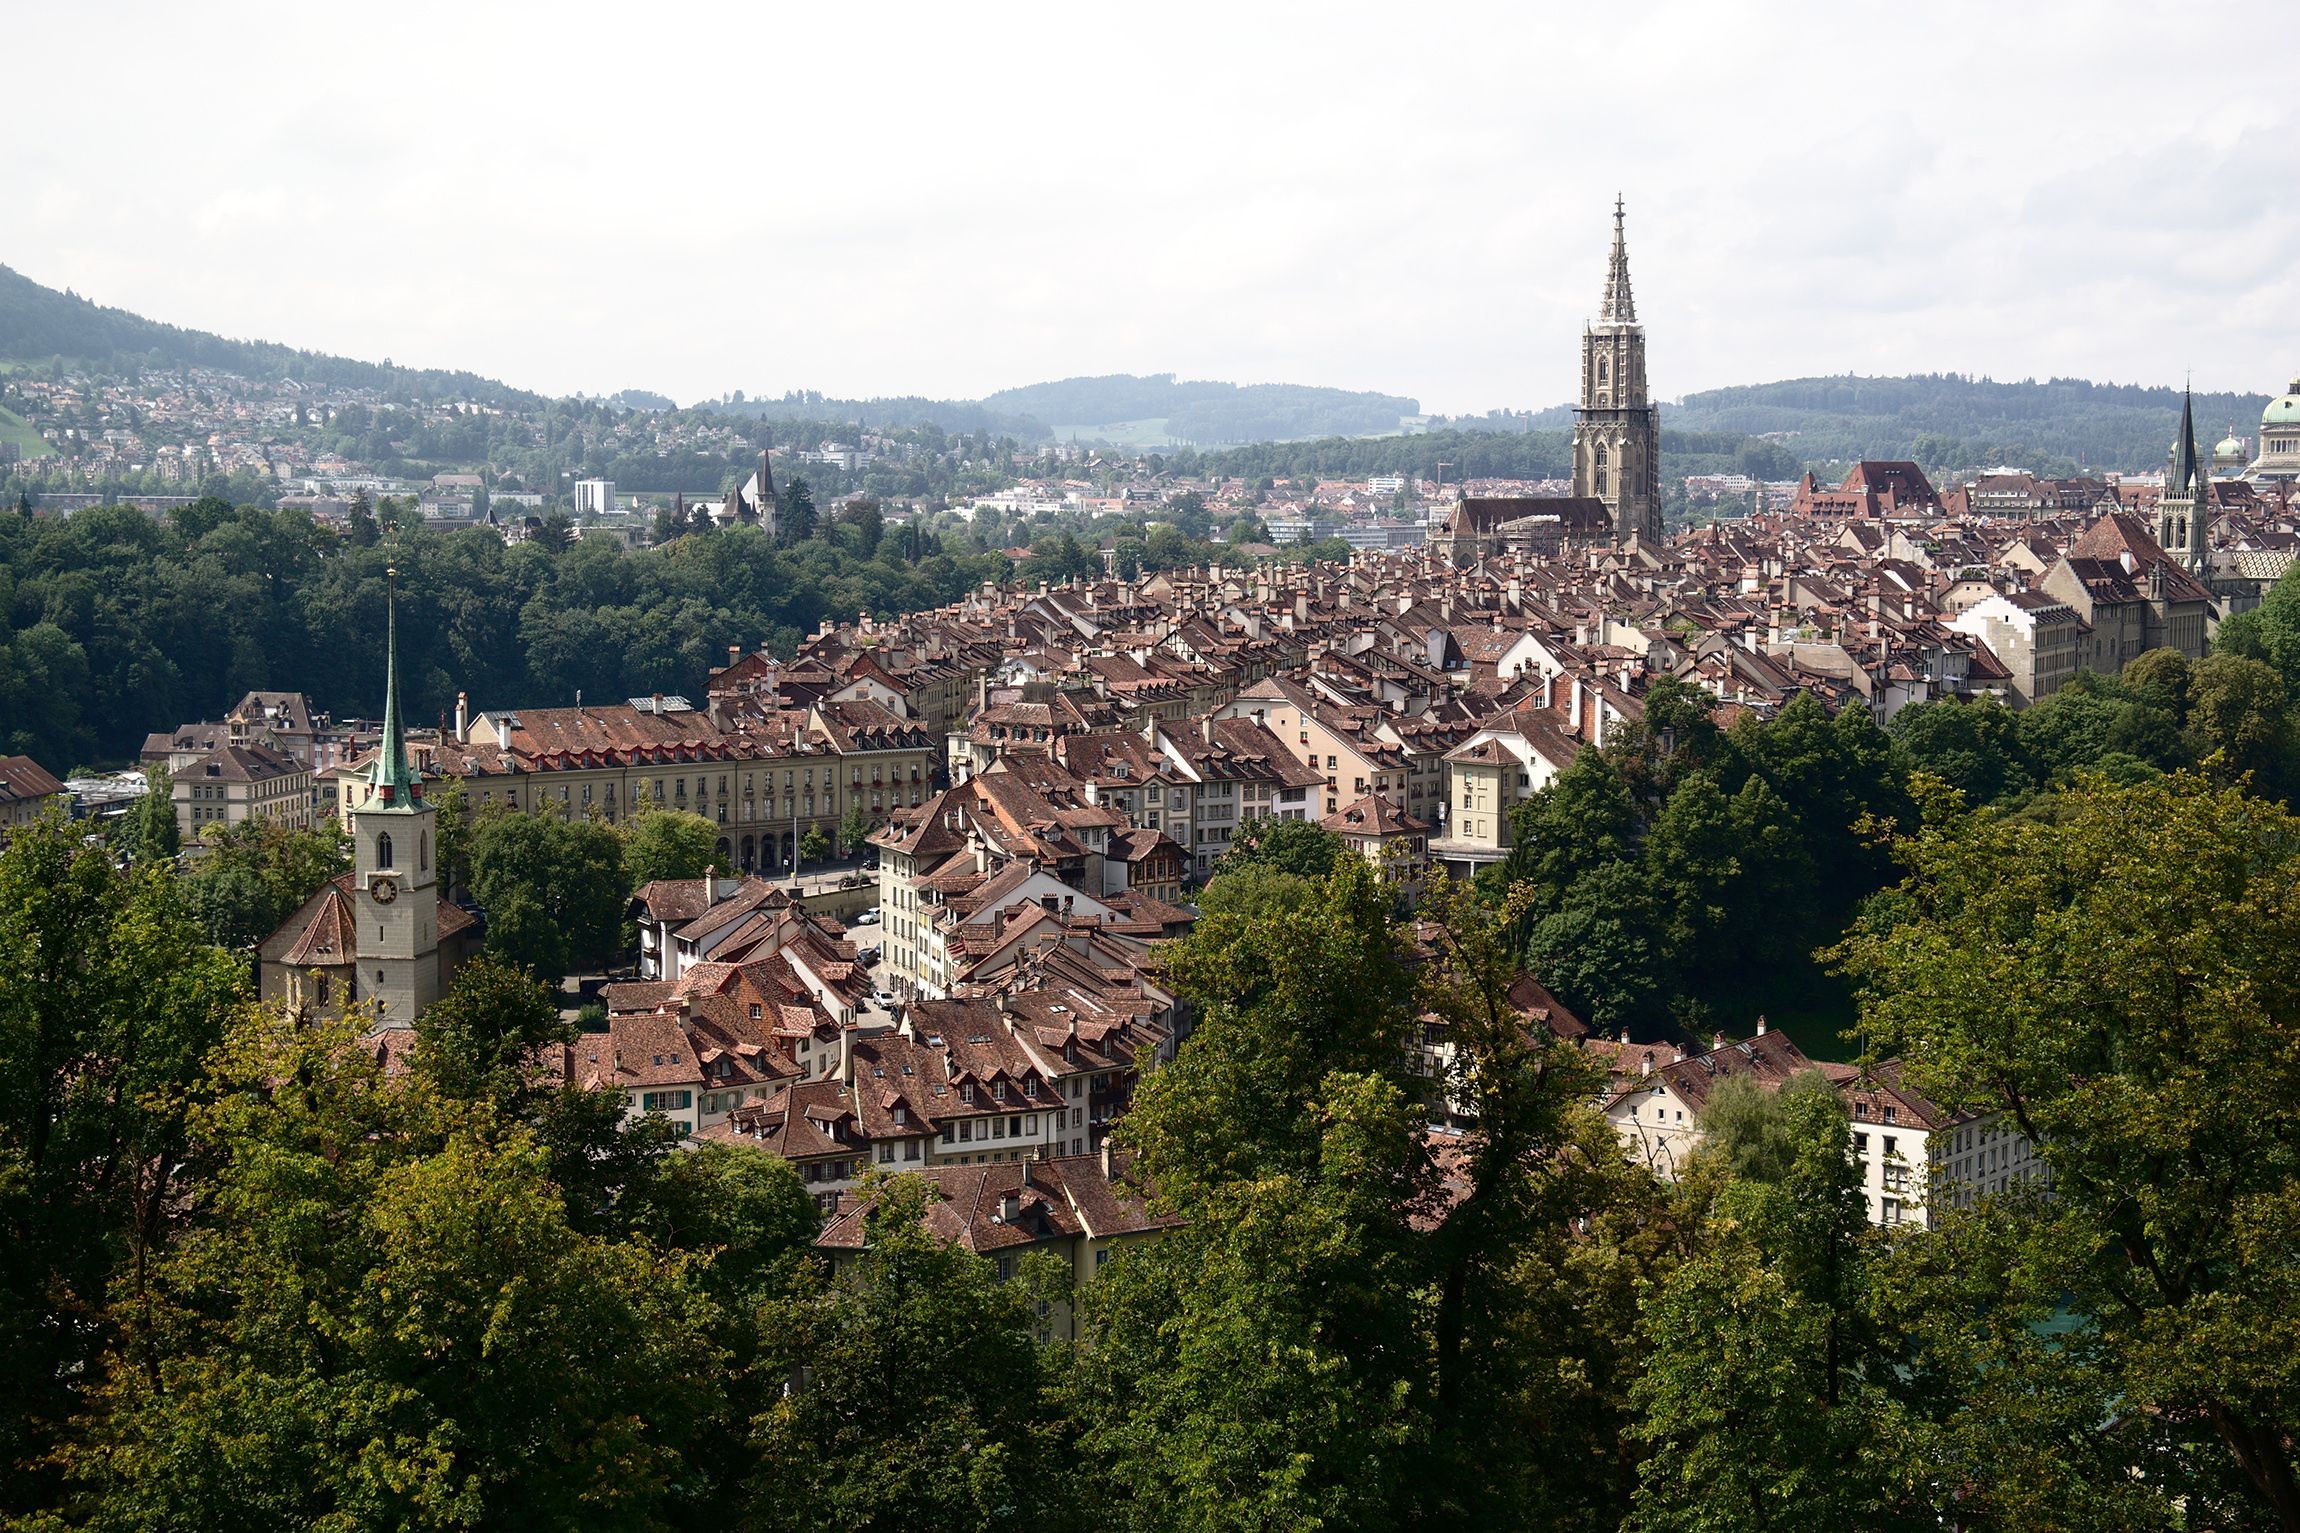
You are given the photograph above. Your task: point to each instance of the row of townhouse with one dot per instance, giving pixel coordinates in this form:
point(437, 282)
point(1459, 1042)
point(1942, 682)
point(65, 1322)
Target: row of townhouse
point(767, 778)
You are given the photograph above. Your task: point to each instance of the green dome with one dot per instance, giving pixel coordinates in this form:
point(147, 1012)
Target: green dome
point(2282, 412)
point(2229, 449)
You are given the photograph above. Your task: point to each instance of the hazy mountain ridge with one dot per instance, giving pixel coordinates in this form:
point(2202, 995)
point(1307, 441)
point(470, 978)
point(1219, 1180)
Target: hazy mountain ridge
point(1943, 420)
point(1952, 420)
point(1205, 411)
point(39, 322)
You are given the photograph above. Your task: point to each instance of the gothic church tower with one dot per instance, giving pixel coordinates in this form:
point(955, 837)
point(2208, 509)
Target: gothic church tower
point(1616, 428)
point(393, 833)
point(2184, 510)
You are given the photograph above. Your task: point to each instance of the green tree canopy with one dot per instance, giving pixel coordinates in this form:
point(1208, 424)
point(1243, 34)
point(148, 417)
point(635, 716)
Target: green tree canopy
point(2102, 979)
point(554, 890)
point(668, 843)
point(1300, 847)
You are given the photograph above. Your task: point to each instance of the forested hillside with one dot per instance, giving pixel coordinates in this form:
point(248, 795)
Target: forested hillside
point(1205, 412)
point(115, 625)
point(1947, 421)
point(39, 323)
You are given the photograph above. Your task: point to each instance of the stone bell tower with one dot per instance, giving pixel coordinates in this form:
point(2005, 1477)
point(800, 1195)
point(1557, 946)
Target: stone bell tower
point(1616, 428)
point(395, 886)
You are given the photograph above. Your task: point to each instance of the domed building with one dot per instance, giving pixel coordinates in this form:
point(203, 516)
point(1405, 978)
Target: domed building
point(2279, 460)
point(2229, 455)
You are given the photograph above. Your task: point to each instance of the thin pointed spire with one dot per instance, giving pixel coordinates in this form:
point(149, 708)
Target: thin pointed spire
point(392, 776)
point(1620, 306)
point(2185, 459)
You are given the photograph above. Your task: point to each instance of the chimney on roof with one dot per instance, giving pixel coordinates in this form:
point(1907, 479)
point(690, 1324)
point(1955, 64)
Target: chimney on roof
point(1676, 1055)
point(1108, 1151)
point(1009, 1207)
point(463, 718)
point(1717, 1039)
point(1760, 1027)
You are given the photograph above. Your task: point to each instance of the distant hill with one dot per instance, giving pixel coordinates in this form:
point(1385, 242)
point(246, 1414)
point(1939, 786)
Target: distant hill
point(38, 323)
point(953, 415)
point(1944, 420)
point(1123, 407)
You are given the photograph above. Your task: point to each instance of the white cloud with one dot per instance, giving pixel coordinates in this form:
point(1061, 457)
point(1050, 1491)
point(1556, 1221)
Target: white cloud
point(934, 199)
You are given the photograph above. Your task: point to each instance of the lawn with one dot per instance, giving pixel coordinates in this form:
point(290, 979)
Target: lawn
point(14, 428)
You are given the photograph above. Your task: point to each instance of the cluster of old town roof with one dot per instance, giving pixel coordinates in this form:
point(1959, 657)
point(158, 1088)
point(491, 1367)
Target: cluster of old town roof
point(1046, 772)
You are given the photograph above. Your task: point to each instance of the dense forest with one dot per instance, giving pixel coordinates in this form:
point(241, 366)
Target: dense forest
point(39, 323)
point(117, 624)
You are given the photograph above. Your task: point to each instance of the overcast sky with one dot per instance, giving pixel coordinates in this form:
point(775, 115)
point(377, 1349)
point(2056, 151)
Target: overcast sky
point(946, 200)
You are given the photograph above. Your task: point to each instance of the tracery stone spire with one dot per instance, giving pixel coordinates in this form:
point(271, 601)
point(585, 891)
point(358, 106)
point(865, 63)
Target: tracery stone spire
point(1620, 306)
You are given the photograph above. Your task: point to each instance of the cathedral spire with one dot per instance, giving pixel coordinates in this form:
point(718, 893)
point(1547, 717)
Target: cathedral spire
point(392, 777)
point(1619, 306)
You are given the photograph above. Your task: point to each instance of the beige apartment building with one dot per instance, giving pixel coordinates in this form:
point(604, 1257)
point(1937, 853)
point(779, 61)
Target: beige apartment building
point(1351, 765)
point(27, 791)
point(767, 782)
point(236, 783)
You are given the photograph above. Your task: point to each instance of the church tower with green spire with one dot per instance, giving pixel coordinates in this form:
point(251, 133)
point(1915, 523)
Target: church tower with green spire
point(393, 835)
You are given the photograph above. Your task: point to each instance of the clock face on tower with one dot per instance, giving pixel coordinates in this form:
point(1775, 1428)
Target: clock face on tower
point(383, 891)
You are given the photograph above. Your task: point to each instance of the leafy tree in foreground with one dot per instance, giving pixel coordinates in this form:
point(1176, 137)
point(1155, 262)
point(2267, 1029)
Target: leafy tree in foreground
point(1365, 1325)
point(384, 1318)
point(483, 1037)
point(554, 890)
point(925, 1403)
point(109, 999)
point(2122, 984)
point(1767, 1400)
point(1300, 847)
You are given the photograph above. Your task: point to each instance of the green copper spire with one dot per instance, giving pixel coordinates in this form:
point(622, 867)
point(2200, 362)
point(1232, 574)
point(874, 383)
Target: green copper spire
point(2187, 462)
point(396, 781)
